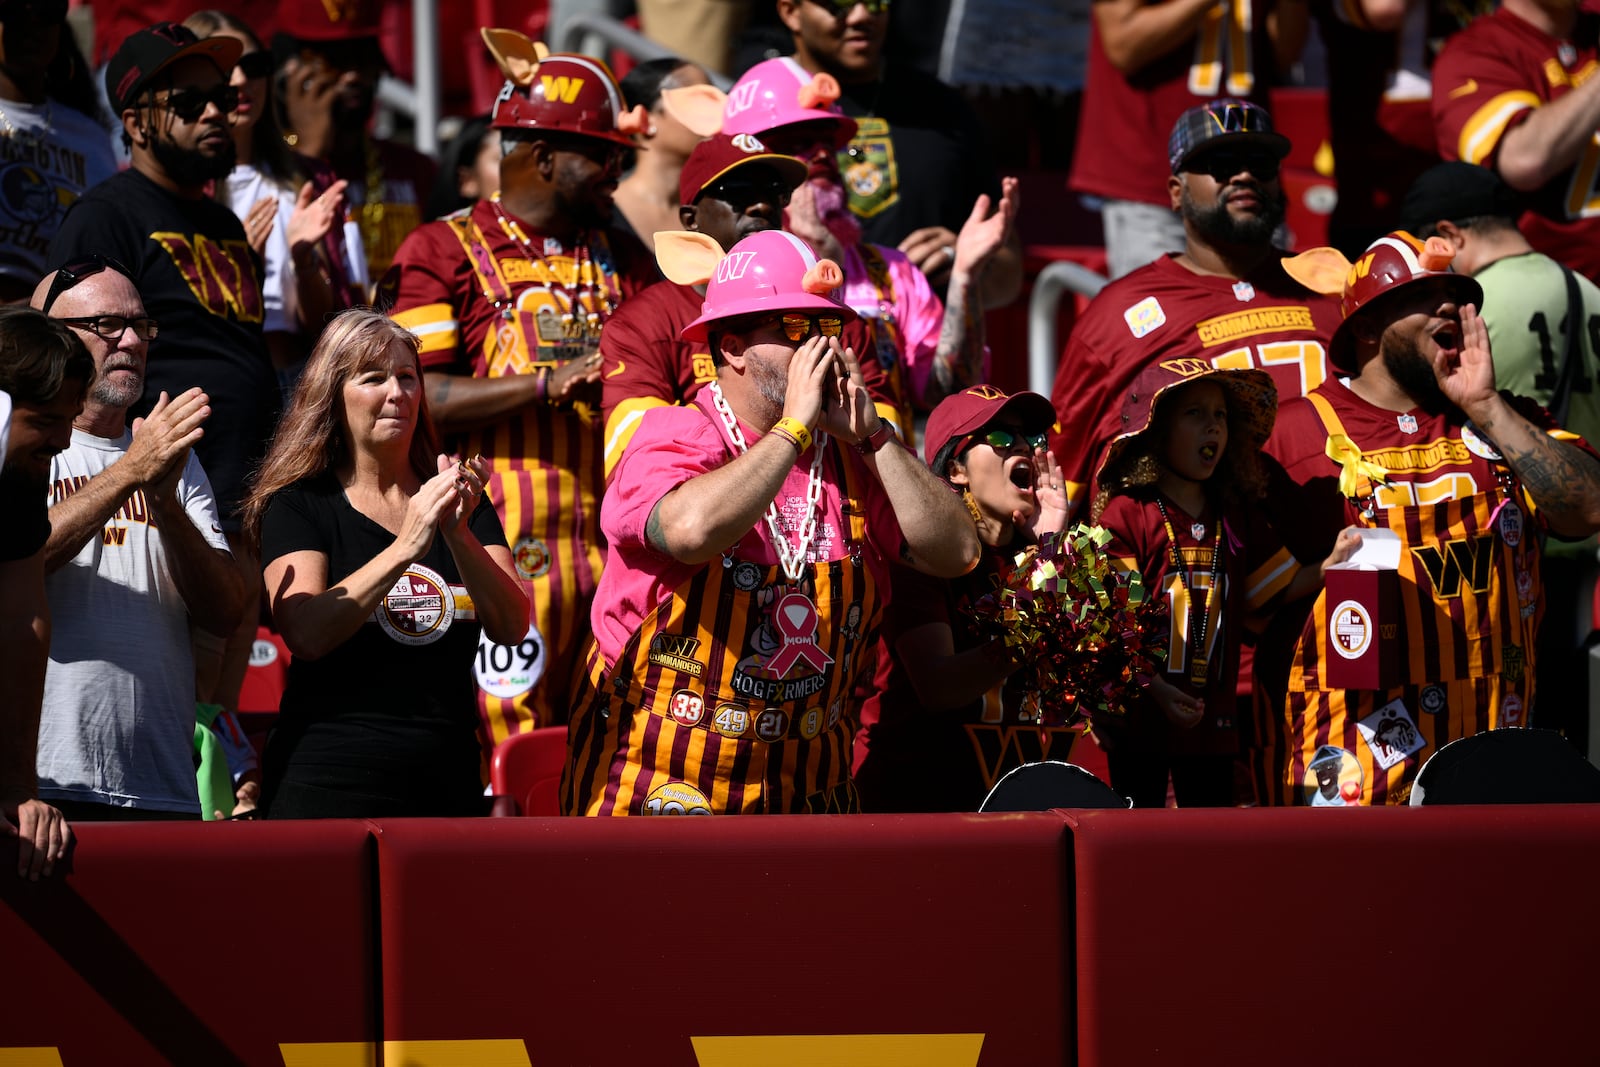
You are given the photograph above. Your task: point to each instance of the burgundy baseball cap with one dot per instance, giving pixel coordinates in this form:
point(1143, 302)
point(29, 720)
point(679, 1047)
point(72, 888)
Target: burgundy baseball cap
point(718, 155)
point(151, 50)
point(972, 409)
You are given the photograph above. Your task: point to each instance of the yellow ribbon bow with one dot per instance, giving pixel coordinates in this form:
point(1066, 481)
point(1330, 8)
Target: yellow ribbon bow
point(1353, 469)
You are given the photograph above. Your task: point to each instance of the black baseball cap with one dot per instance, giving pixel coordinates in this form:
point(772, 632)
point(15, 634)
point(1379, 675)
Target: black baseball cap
point(151, 50)
point(1454, 192)
point(1225, 121)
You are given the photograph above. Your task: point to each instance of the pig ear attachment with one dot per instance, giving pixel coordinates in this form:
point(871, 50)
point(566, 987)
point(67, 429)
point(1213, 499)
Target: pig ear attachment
point(820, 92)
point(687, 258)
point(516, 54)
point(1322, 270)
point(698, 107)
point(633, 121)
point(823, 278)
point(1436, 254)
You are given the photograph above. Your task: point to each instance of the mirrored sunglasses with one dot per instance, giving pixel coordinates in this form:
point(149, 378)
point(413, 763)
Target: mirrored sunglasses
point(1005, 440)
point(797, 327)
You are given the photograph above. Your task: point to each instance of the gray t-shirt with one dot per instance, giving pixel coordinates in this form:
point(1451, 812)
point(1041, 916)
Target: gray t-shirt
point(117, 725)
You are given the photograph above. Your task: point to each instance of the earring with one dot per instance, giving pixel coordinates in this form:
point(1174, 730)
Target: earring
point(972, 507)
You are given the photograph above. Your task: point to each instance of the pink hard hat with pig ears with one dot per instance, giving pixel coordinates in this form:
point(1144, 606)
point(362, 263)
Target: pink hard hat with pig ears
point(780, 92)
point(768, 272)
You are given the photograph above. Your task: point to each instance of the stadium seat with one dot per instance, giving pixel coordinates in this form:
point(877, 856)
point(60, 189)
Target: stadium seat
point(525, 773)
point(1051, 784)
point(1507, 767)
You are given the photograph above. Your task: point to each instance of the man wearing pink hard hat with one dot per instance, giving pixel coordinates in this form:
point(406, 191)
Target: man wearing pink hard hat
point(751, 533)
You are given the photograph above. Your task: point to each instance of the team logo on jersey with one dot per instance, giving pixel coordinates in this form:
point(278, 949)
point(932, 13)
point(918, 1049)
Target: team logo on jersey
point(1511, 524)
point(1407, 423)
point(418, 608)
point(676, 798)
point(676, 652)
point(1244, 292)
point(533, 558)
point(1350, 629)
point(1333, 780)
point(871, 175)
point(1478, 446)
point(1144, 317)
point(1391, 735)
point(1511, 710)
point(1431, 699)
point(1512, 663)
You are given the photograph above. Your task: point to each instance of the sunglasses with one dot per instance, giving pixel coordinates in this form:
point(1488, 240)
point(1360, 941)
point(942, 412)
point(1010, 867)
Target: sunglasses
point(743, 192)
point(797, 327)
point(77, 271)
point(255, 64)
point(844, 7)
point(1005, 440)
point(111, 326)
point(190, 103)
point(1221, 164)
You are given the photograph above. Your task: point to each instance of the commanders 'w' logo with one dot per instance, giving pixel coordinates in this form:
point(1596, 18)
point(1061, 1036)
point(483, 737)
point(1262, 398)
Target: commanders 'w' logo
point(1187, 367)
point(1471, 559)
point(562, 88)
point(734, 265)
point(221, 276)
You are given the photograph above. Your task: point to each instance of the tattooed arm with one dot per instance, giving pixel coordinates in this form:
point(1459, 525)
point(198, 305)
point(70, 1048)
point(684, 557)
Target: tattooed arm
point(1562, 479)
point(958, 361)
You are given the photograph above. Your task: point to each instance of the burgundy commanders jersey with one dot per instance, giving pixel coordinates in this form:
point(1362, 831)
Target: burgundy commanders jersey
point(1123, 130)
point(1489, 78)
point(1165, 311)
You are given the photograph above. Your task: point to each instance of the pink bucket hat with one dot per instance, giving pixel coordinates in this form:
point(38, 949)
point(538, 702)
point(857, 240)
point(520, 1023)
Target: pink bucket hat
point(771, 271)
point(780, 92)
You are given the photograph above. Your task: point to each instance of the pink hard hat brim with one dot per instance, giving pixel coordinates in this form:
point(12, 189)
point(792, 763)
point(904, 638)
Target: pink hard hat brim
point(700, 329)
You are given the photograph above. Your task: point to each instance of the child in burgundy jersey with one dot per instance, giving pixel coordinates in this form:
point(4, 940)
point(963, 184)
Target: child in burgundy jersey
point(1177, 500)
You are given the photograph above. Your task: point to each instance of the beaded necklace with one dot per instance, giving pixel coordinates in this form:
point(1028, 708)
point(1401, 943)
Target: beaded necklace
point(583, 296)
point(791, 557)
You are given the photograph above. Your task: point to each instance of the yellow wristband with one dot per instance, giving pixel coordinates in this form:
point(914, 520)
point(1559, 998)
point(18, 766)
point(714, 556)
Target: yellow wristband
point(796, 431)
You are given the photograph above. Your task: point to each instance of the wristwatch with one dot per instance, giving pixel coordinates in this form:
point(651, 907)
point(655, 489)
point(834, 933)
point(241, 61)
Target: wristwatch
point(876, 439)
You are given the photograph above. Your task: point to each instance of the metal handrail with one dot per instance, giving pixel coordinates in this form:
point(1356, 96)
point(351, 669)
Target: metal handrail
point(1044, 348)
point(575, 34)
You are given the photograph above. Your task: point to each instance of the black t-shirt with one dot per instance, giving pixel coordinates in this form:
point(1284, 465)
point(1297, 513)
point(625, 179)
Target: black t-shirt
point(395, 702)
point(201, 281)
point(26, 526)
point(919, 159)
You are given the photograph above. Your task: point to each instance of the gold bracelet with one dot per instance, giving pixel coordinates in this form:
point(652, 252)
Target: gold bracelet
point(794, 430)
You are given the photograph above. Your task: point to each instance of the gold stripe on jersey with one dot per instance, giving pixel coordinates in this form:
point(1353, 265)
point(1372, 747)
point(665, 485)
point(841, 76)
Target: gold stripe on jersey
point(624, 423)
point(689, 709)
point(434, 325)
point(1481, 134)
point(1269, 580)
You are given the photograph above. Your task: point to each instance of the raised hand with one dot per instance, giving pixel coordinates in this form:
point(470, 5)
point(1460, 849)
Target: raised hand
point(1466, 377)
point(258, 223)
point(983, 234)
point(810, 388)
point(470, 478)
point(1049, 490)
point(426, 512)
point(316, 215)
point(162, 440)
point(849, 413)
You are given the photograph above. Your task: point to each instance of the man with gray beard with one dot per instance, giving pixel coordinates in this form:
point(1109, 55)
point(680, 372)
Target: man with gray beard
point(135, 562)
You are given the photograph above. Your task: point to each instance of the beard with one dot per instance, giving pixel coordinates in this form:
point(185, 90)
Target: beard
point(1410, 368)
point(190, 167)
point(106, 394)
point(819, 213)
point(771, 381)
point(1219, 227)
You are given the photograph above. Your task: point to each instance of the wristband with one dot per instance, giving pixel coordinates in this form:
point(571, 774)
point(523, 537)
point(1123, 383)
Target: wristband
point(541, 383)
point(876, 439)
point(795, 431)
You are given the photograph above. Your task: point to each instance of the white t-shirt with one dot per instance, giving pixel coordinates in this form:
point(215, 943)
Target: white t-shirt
point(117, 725)
point(50, 155)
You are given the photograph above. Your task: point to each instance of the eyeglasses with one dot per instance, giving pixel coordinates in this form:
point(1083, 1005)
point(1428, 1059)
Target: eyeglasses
point(111, 326)
point(844, 7)
point(255, 64)
point(190, 103)
point(76, 271)
point(742, 192)
point(1004, 440)
point(1223, 163)
point(798, 327)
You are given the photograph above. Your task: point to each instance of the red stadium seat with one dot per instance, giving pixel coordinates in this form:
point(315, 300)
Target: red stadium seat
point(526, 771)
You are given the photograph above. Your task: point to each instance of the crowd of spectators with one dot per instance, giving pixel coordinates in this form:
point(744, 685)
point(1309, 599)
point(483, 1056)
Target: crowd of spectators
point(279, 370)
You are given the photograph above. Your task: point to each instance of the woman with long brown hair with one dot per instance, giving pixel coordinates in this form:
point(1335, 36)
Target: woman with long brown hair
point(383, 562)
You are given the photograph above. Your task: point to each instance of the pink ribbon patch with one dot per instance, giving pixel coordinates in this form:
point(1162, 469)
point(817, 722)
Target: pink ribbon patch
point(795, 618)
